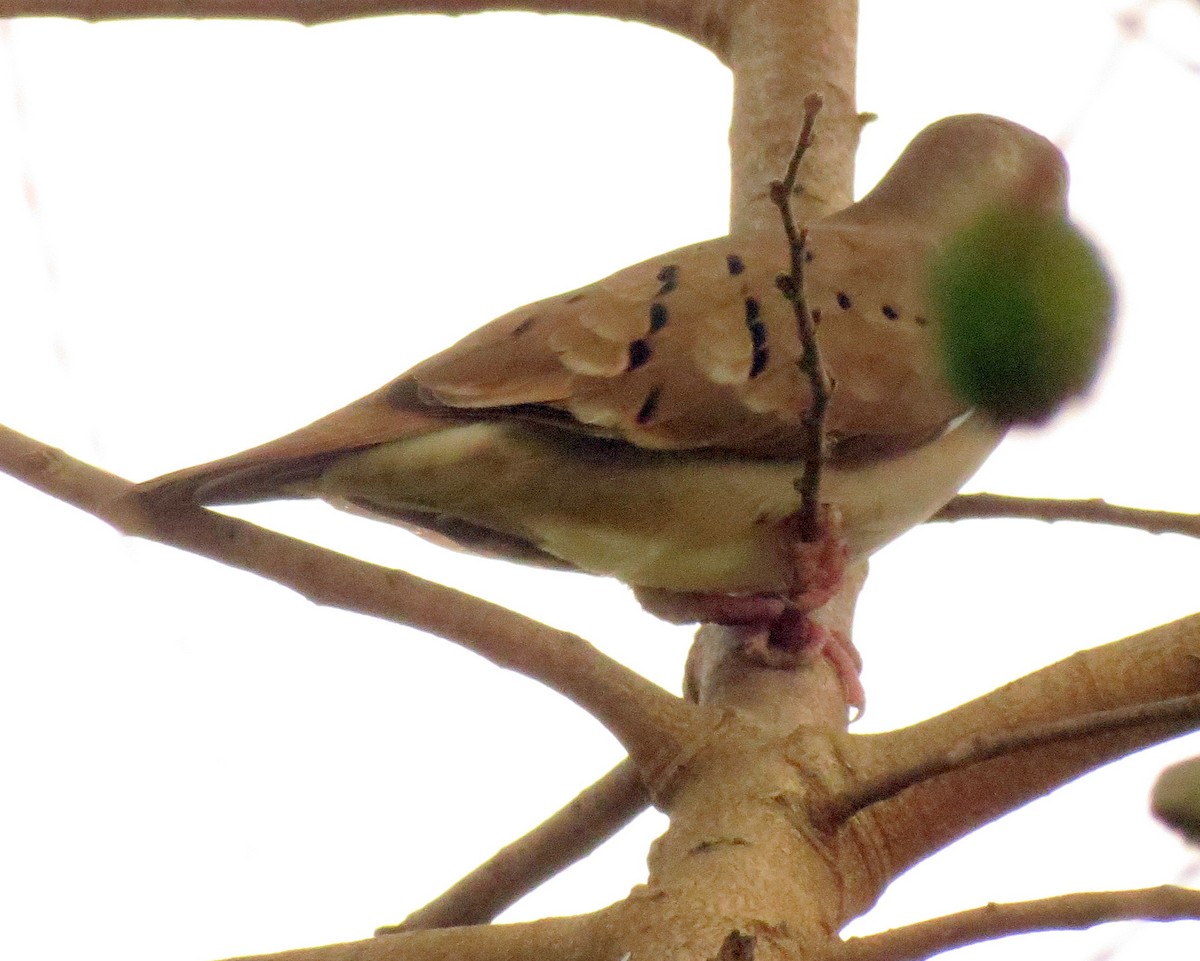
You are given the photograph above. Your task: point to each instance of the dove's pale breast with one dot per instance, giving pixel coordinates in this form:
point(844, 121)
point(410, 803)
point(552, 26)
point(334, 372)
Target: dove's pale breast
point(683, 521)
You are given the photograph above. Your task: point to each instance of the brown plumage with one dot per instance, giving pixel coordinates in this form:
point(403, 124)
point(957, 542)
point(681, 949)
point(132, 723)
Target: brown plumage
point(650, 425)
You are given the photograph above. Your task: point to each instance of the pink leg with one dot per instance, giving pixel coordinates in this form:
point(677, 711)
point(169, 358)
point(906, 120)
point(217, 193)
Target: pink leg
point(848, 663)
point(819, 570)
point(795, 638)
point(774, 632)
point(779, 631)
point(819, 567)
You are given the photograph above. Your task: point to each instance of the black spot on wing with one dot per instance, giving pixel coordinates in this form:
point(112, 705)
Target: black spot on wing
point(890, 312)
point(658, 317)
point(735, 264)
point(639, 353)
point(758, 337)
point(843, 300)
point(759, 361)
point(669, 278)
point(649, 406)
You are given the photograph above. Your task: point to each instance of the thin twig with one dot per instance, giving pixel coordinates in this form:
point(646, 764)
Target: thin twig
point(551, 939)
point(984, 747)
point(649, 722)
point(1091, 510)
point(567, 836)
point(675, 15)
point(792, 286)
point(915, 942)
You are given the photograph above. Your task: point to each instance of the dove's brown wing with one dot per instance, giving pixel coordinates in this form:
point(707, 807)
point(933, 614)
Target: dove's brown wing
point(698, 350)
point(695, 350)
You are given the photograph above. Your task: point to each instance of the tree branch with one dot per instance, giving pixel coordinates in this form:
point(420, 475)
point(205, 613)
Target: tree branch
point(567, 836)
point(1149, 667)
point(687, 18)
point(651, 724)
point(916, 942)
point(986, 745)
point(552, 939)
point(780, 51)
point(1091, 510)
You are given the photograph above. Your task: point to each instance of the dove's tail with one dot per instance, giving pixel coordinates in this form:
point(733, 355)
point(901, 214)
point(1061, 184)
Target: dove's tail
point(285, 468)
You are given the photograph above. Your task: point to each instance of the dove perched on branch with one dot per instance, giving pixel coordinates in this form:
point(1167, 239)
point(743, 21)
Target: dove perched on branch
point(651, 426)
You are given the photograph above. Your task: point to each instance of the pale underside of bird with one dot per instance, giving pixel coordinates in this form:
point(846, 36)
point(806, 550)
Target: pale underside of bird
point(651, 426)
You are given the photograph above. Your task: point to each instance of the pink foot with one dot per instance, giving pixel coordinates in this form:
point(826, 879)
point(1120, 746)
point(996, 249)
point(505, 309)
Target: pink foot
point(774, 632)
point(778, 630)
point(795, 638)
point(819, 567)
point(848, 663)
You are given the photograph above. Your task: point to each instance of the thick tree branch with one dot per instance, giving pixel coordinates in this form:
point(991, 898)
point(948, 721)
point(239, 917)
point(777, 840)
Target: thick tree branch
point(565, 837)
point(916, 942)
point(652, 724)
point(1154, 666)
point(987, 745)
point(780, 51)
point(1091, 510)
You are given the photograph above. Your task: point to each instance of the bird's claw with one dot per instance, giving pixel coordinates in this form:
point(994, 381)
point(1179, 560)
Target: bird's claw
point(773, 631)
point(796, 639)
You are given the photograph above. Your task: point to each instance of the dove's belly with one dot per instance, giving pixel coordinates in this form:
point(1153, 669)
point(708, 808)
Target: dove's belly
point(667, 519)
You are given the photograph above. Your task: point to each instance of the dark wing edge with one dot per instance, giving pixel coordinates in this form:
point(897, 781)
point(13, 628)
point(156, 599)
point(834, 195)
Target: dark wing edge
point(279, 468)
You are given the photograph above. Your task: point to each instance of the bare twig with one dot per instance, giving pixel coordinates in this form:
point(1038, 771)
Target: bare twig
point(551, 939)
point(916, 942)
point(651, 723)
point(792, 285)
point(562, 839)
point(984, 747)
point(1091, 510)
point(676, 15)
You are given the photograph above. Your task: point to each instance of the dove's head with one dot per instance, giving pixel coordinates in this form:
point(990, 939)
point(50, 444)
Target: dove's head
point(959, 167)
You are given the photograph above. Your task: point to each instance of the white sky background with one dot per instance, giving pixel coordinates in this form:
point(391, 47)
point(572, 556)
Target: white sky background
point(240, 226)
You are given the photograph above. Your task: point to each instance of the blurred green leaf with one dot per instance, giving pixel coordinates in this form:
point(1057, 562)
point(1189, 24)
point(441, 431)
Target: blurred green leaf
point(1026, 306)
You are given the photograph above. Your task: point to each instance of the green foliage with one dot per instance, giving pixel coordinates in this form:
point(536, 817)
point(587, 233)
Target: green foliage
point(1026, 306)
